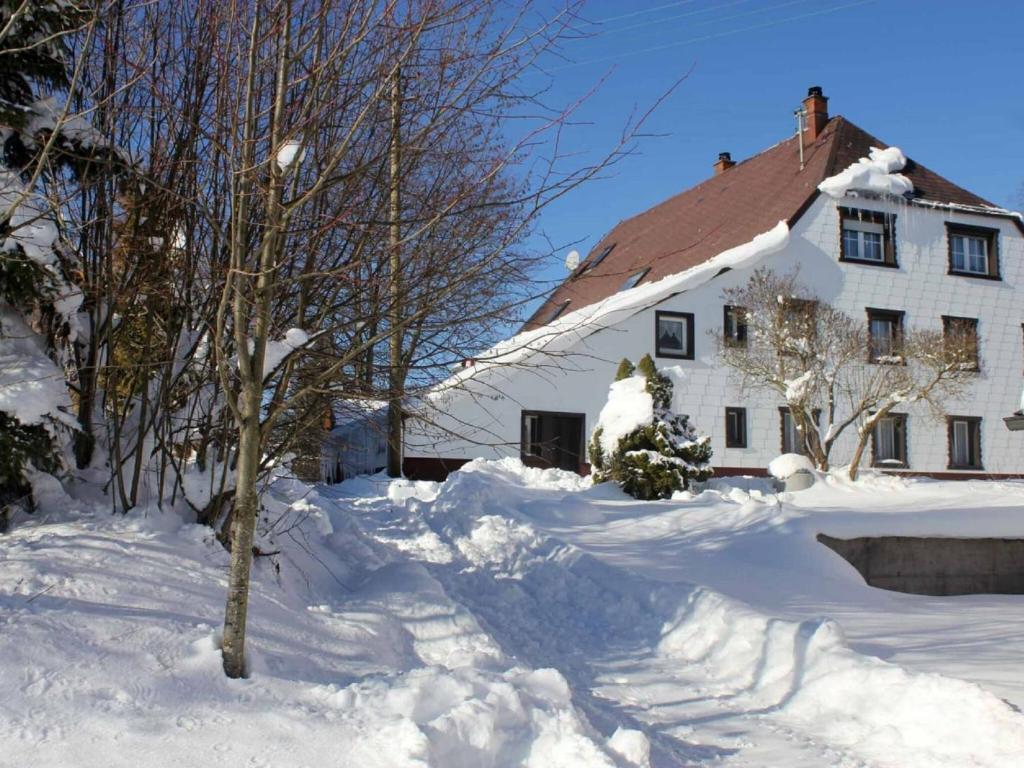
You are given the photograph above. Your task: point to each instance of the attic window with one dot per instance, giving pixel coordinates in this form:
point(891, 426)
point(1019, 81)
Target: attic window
point(973, 251)
point(634, 280)
point(866, 237)
point(587, 266)
point(557, 312)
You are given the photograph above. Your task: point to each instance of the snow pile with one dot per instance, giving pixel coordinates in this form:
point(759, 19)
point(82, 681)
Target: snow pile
point(806, 670)
point(32, 387)
point(563, 628)
point(110, 624)
point(632, 745)
point(789, 464)
point(629, 406)
point(499, 543)
point(875, 173)
point(31, 223)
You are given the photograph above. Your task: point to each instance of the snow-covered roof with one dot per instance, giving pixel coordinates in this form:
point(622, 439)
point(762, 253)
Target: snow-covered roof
point(565, 331)
point(730, 208)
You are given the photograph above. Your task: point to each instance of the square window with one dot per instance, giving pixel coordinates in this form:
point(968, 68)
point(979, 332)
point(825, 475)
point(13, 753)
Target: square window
point(867, 237)
point(735, 427)
point(673, 335)
point(960, 335)
point(734, 327)
point(889, 442)
point(973, 251)
point(885, 336)
point(964, 442)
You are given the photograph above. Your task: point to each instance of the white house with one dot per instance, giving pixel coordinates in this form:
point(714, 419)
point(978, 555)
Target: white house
point(874, 234)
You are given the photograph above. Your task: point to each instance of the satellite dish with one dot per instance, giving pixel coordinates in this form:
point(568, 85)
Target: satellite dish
point(572, 260)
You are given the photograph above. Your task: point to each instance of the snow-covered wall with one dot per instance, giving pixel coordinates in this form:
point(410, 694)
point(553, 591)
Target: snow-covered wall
point(486, 410)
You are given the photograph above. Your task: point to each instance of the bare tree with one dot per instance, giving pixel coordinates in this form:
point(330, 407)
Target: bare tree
point(821, 361)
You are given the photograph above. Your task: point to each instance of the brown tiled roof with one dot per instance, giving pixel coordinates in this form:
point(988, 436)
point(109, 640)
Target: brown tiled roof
point(730, 209)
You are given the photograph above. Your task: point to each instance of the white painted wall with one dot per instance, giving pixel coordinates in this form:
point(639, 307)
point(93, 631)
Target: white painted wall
point(486, 413)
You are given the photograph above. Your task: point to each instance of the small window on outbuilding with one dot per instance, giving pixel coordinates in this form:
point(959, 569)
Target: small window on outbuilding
point(973, 251)
point(735, 427)
point(867, 237)
point(673, 335)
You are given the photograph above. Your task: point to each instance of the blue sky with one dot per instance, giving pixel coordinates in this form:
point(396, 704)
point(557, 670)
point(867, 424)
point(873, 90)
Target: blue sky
point(941, 79)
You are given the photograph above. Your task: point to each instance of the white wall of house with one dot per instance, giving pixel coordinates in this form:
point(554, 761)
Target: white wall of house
point(486, 413)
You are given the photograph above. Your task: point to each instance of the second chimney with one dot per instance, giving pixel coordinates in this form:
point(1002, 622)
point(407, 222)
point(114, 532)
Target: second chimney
point(724, 163)
point(815, 114)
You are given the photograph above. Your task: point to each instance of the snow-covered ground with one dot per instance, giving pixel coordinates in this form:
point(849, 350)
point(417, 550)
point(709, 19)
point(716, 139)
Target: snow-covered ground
point(512, 617)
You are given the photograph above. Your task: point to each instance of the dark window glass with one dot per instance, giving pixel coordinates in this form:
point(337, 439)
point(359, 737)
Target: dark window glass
point(867, 237)
point(552, 439)
point(885, 335)
point(964, 442)
point(961, 339)
point(973, 251)
point(792, 440)
point(673, 334)
point(889, 442)
point(734, 329)
point(735, 427)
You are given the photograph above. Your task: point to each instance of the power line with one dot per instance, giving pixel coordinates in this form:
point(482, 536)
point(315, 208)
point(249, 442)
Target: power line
point(645, 10)
point(711, 36)
point(754, 12)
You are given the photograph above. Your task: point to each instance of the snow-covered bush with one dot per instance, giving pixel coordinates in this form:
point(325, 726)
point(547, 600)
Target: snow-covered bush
point(38, 300)
point(640, 444)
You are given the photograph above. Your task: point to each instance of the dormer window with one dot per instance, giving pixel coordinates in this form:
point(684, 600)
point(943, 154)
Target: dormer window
point(867, 237)
point(973, 251)
point(634, 280)
point(589, 265)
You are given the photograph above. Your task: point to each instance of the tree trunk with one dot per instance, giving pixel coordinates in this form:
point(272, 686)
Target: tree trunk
point(243, 531)
point(395, 382)
point(858, 453)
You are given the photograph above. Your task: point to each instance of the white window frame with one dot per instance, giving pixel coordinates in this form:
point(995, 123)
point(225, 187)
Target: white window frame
point(860, 228)
point(968, 265)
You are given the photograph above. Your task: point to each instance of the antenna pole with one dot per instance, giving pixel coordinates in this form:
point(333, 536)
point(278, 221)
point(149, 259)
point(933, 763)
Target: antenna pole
point(800, 115)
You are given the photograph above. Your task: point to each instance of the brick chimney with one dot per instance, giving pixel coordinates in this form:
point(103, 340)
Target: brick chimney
point(815, 114)
point(724, 163)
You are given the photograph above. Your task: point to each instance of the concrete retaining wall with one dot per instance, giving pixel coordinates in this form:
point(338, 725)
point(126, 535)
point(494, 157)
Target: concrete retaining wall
point(935, 566)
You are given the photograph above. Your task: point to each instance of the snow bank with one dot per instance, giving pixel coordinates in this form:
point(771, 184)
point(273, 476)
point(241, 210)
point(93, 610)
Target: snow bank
point(32, 387)
point(806, 670)
point(535, 641)
point(875, 173)
point(788, 464)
